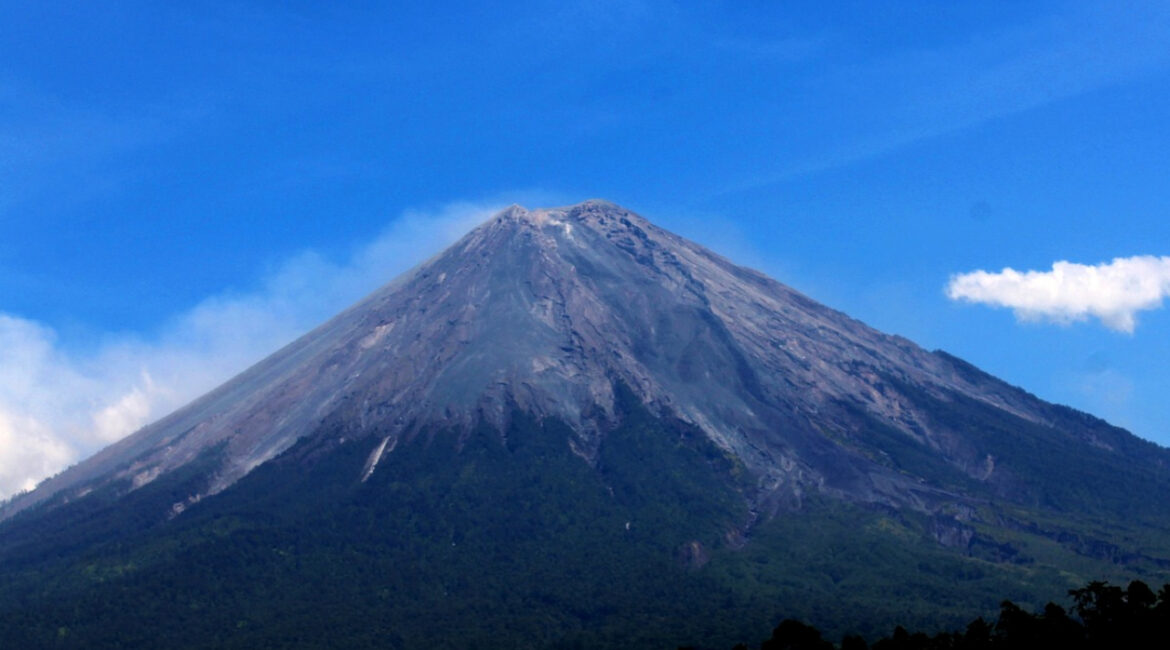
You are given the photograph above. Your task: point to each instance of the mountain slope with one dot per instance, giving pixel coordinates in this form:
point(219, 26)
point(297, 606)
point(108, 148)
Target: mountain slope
point(547, 310)
point(590, 400)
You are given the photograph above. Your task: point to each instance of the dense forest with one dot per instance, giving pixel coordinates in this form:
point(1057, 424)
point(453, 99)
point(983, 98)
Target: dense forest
point(1103, 616)
point(482, 542)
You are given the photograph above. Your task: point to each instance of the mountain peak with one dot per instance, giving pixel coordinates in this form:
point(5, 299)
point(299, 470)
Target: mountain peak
point(590, 211)
point(555, 318)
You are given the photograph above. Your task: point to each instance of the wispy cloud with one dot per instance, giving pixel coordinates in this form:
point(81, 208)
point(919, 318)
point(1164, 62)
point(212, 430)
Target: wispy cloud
point(781, 50)
point(57, 407)
point(923, 94)
point(1112, 292)
point(50, 148)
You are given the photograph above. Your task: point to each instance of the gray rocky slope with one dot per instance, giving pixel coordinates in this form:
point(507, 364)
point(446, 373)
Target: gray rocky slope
point(549, 311)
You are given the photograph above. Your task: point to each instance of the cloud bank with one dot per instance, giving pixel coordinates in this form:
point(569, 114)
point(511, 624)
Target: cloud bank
point(58, 407)
point(1111, 292)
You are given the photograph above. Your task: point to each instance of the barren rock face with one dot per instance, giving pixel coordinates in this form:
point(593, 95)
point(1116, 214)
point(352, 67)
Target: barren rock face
point(549, 311)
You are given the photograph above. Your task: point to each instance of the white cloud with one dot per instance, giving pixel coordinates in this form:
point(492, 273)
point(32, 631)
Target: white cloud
point(130, 412)
point(1112, 292)
point(30, 452)
point(58, 407)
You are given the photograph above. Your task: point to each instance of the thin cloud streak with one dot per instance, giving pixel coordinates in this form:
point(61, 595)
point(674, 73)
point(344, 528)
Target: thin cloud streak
point(56, 408)
point(48, 145)
point(933, 93)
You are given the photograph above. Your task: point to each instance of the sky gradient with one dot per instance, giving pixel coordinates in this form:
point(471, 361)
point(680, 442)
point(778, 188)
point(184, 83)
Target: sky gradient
point(185, 188)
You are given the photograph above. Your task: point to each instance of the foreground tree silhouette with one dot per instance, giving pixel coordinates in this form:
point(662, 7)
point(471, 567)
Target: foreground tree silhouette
point(1124, 618)
point(1104, 617)
point(794, 635)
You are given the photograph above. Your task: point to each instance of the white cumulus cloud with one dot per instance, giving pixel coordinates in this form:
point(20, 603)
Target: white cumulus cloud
point(59, 405)
point(1112, 292)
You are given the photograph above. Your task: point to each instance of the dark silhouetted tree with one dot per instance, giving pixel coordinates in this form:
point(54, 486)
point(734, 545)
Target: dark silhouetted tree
point(854, 642)
point(794, 635)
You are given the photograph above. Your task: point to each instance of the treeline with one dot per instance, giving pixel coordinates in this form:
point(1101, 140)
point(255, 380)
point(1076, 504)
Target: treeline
point(1102, 617)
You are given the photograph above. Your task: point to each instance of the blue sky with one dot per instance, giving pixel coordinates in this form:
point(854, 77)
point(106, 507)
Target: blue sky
point(185, 186)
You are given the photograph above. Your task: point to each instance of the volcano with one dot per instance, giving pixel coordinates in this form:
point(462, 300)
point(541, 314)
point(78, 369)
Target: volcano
point(574, 428)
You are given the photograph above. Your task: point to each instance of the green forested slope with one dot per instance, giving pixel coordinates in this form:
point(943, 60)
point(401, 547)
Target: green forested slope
point(509, 541)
